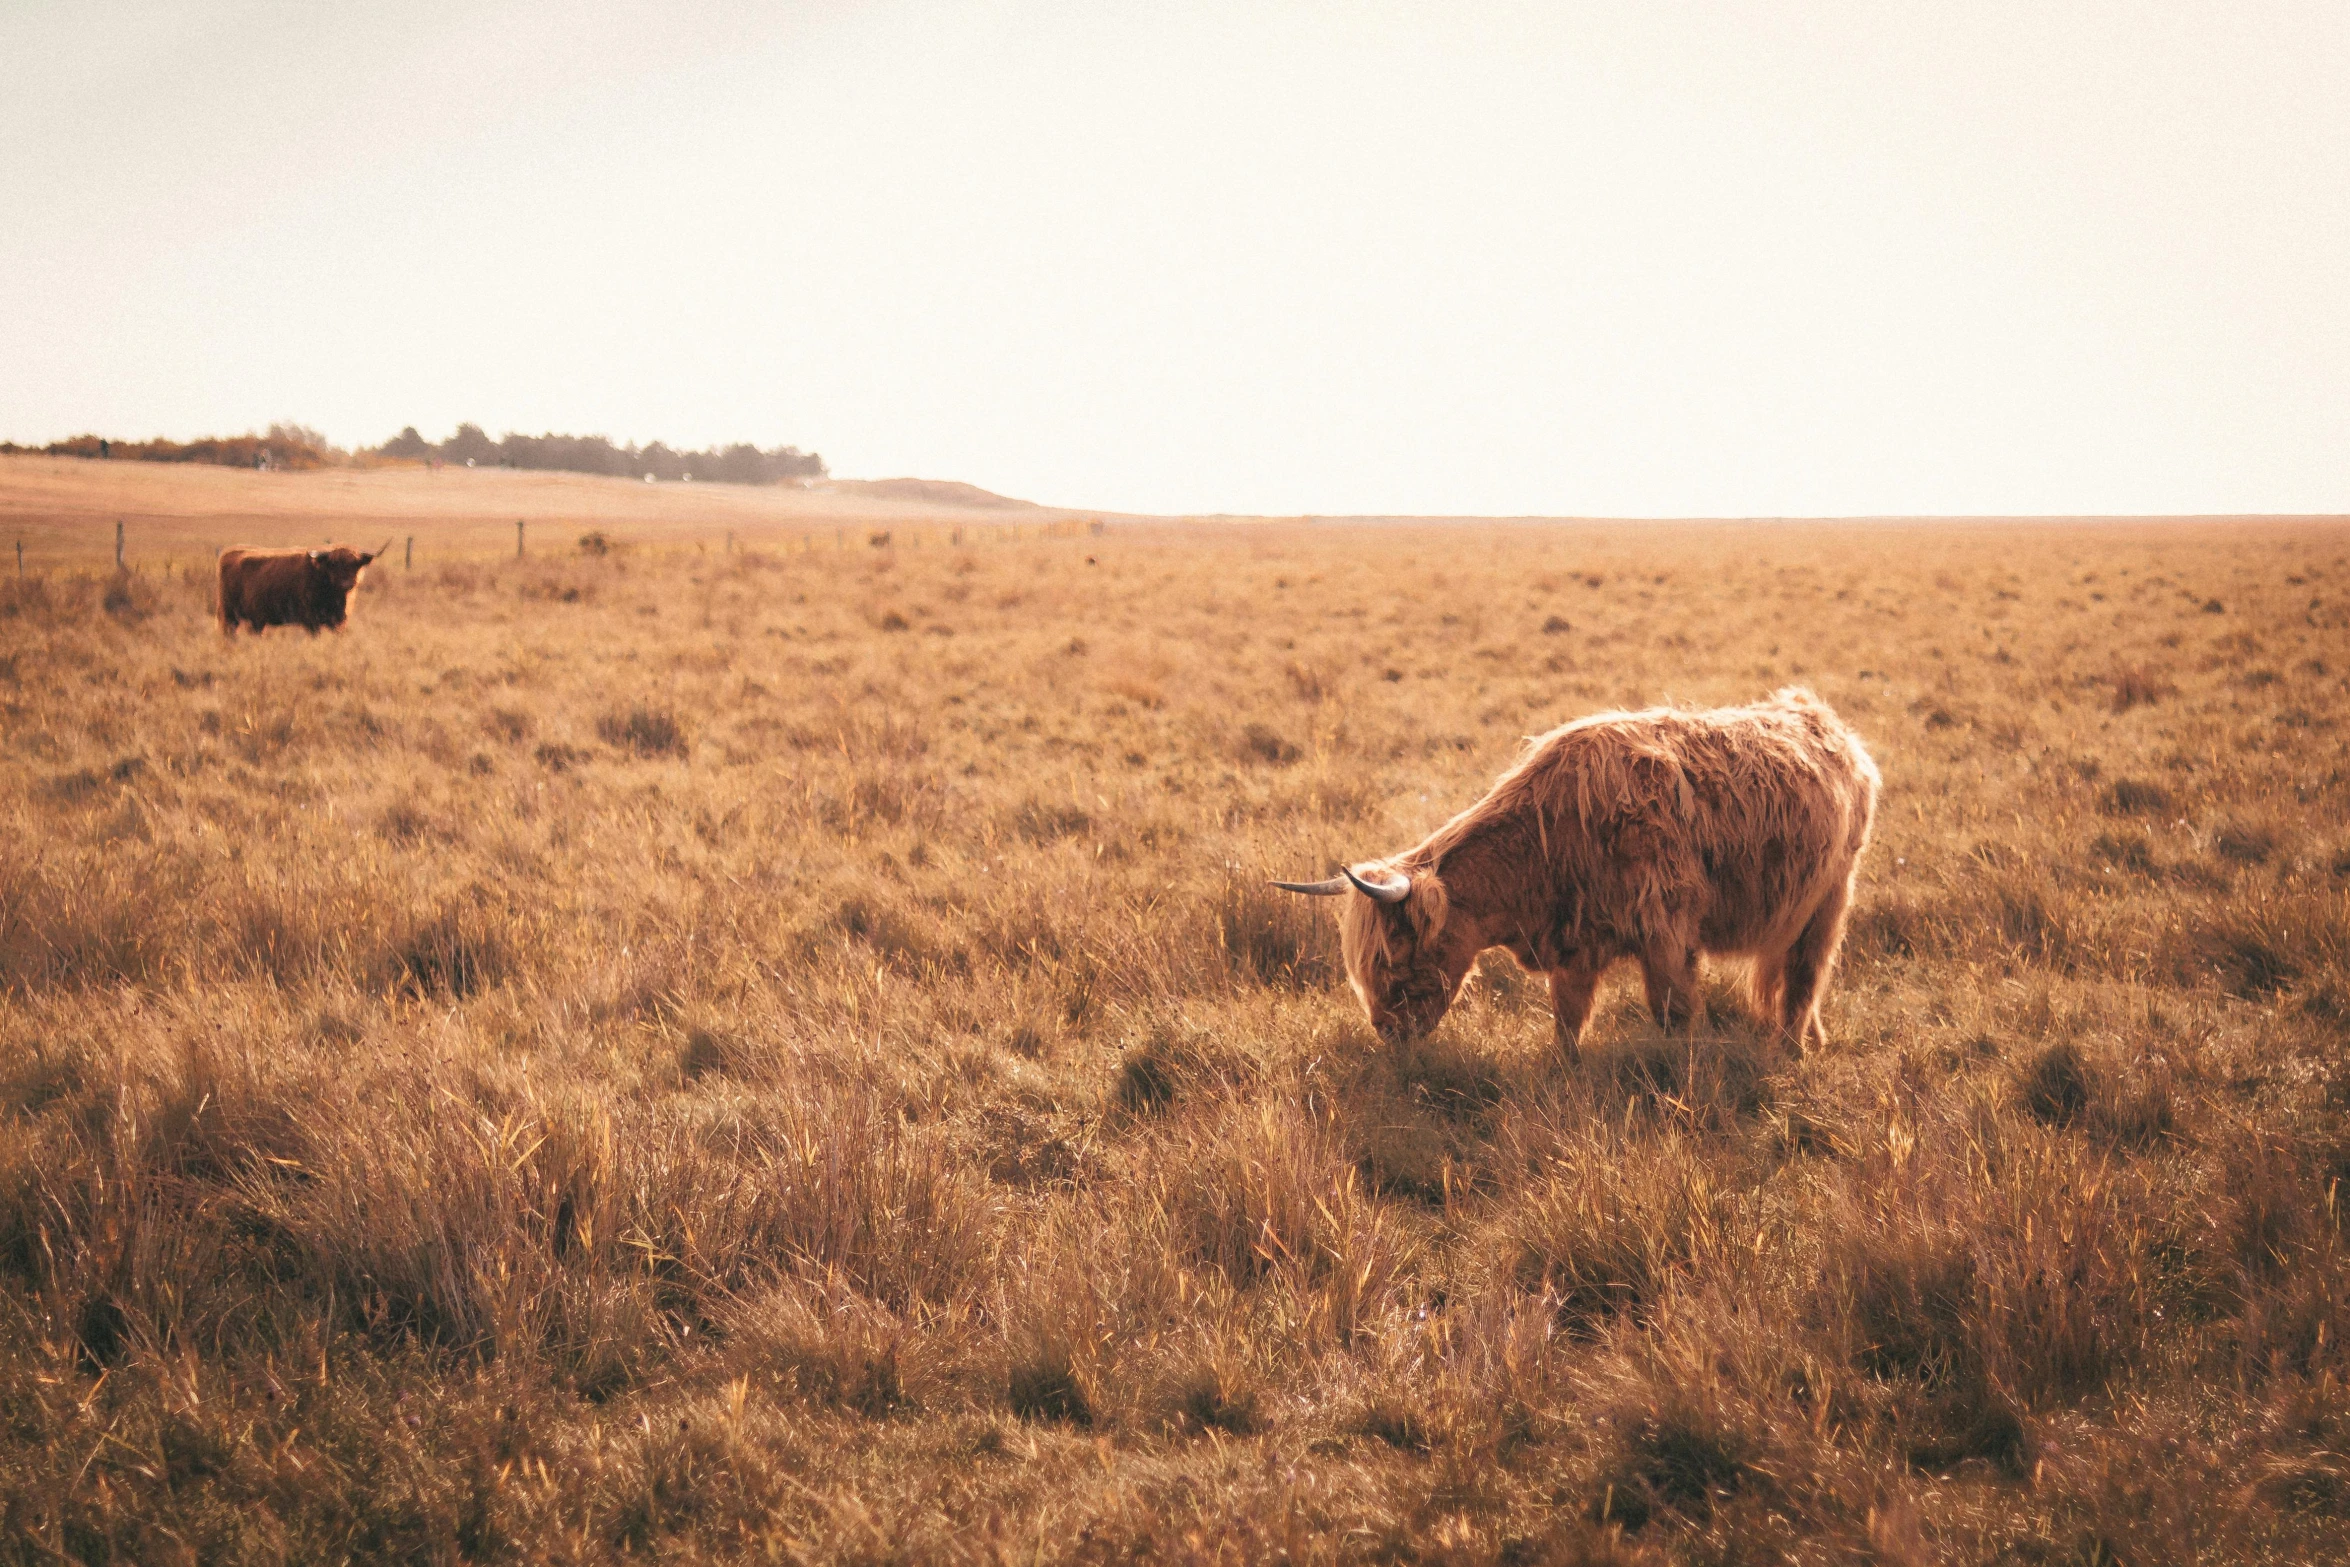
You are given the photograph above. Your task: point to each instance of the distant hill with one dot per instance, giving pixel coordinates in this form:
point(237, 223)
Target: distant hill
point(930, 492)
point(64, 510)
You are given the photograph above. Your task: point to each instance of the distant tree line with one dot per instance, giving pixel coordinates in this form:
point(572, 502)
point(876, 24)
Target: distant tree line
point(299, 446)
point(741, 463)
point(285, 446)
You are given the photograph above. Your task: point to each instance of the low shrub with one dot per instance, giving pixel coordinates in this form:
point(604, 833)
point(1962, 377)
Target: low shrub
point(643, 731)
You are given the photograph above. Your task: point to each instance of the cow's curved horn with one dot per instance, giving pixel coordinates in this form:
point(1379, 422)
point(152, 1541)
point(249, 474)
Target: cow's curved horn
point(1332, 888)
point(1389, 887)
point(373, 553)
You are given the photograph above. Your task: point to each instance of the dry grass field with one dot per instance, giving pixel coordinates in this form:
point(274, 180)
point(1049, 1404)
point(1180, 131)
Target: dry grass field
point(790, 1056)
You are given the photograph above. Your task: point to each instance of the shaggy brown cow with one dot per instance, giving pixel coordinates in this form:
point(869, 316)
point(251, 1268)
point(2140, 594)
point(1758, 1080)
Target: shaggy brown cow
point(1654, 835)
point(306, 588)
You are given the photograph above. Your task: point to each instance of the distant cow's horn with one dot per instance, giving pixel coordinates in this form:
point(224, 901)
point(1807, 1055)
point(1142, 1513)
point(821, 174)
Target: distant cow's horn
point(1391, 887)
point(373, 553)
point(1315, 889)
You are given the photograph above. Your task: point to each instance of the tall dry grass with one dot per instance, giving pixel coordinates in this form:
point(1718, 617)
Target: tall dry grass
point(741, 1057)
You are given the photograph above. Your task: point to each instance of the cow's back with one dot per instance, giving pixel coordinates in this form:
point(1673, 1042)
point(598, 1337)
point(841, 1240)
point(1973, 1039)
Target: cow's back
point(1739, 819)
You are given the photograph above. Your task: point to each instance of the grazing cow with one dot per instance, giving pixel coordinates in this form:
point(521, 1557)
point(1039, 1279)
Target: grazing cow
point(306, 588)
point(1655, 835)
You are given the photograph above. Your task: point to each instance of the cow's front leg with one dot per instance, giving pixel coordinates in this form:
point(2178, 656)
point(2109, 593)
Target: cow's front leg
point(1571, 990)
point(1670, 973)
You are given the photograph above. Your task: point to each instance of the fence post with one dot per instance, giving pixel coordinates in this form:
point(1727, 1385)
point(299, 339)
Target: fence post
point(408, 556)
point(118, 544)
point(518, 538)
point(20, 557)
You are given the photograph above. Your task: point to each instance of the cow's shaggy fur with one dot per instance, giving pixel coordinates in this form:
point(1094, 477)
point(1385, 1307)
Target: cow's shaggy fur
point(1656, 835)
point(306, 588)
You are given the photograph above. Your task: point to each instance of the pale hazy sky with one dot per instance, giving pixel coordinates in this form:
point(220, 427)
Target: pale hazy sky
point(1770, 258)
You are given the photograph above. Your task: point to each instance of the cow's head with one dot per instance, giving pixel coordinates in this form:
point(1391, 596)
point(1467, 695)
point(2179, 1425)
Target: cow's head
point(340, 566)
point(1404, 957)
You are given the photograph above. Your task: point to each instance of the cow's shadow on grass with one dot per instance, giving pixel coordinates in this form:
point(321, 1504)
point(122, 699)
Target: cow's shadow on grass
point(1714, 1076)
point(1422, 1119)
point(1418, 1118)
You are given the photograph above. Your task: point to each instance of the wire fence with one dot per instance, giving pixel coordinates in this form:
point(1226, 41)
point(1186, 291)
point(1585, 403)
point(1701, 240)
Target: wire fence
point(532, 541)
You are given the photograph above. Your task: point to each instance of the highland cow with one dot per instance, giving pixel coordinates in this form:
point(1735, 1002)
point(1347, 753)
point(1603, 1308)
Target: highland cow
point(1656, 835)
point(306, 588)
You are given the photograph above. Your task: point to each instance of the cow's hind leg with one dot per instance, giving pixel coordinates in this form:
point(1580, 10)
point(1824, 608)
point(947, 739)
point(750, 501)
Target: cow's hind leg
point(1571, 990)
point(1768, 986)
point(1669, 969)
point(1809, 962)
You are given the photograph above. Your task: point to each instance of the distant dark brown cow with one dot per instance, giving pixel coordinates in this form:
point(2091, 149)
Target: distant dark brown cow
point(1655, 835)
point(306, 588)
